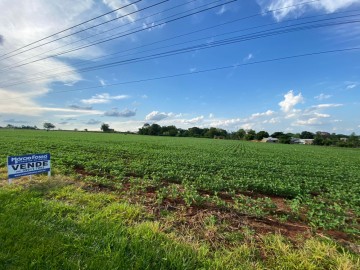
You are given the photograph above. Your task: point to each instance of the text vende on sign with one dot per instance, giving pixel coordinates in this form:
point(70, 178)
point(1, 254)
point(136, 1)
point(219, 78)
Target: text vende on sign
point(28, 165)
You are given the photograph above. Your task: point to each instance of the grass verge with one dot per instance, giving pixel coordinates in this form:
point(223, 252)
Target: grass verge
point(57, 224)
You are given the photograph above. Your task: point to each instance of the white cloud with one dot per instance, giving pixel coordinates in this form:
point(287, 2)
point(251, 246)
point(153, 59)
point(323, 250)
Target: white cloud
point(290, 100)
point(274, 121)
point(34, 20)
point(236, 123)
point(267, 113)
point(103, 98)
point(311, 116)
point(227, 122)
point(351, 86)
point(321, 115)
point(247, 126)
point(19, 26)
point(11, 103)
point(222, 10)
point(248, 57)
point(293, 114)
point(45, 109)
point(102, 82)
point(322, 96)
point(124, 113)
point(282, 12)
point(115, 4)
point(161, 116)
point(325, 106)
point(308, 122)
point(77, 107)
point(157, 116)
point(195, 120)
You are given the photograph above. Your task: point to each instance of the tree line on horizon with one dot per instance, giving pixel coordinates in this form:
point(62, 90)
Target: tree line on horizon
point(319, 138)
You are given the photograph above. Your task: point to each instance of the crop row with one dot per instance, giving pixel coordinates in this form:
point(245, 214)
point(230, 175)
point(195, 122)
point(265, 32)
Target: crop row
point(325, 180)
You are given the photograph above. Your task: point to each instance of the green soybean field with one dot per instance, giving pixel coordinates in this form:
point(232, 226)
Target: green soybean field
point(126, 201)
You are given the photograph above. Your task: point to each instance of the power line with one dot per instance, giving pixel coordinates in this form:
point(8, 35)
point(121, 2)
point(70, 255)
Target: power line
point(117, 18)
point(201, 71)
point(127, 34)
point(243, 18)
point(201, 30)
point(111, 29)
point(72, 27)
point(160, 24)
point(208, 45)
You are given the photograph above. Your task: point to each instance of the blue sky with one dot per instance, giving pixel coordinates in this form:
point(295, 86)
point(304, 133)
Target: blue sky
point(315, 93)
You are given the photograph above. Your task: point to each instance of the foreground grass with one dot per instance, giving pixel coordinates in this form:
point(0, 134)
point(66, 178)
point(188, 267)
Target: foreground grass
point(57, 224)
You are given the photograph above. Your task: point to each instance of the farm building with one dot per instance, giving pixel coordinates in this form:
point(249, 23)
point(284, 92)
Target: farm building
point(295, 141)
point(306, 141)
point(301, 141)
point(270, 140)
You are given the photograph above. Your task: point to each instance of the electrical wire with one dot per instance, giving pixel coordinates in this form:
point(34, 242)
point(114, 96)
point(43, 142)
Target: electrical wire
point(109, 30)
point(127, 34)
point(67, 29)
point(80, 63)
point(199, 71)
point(208, 45)
point(82, 30)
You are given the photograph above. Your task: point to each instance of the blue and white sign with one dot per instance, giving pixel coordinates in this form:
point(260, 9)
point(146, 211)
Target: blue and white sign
point(27, 165)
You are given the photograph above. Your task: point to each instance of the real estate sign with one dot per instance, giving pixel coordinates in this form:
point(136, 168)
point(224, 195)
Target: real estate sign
point(27, 165)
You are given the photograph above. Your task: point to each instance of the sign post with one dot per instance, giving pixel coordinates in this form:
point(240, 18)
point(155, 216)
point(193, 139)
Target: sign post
point(28, 165)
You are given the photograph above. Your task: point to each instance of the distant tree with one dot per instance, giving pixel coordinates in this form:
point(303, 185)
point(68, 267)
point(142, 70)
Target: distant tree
point(250, 135)
point(261, 134)
point(285, 138)
point(241, 133)
point(144, 130)
point(195, 132)
point(155, 130)
point(49, 126)
point(307, 135)
point(212, 132)
point(318, 140)
point(27, 127)
point(353, 140)
point(169, 131)
point(86, 130)
point(182, 133)
point(105, 127)
point(277, 134)
point(173, 131)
